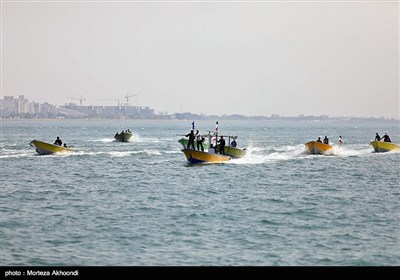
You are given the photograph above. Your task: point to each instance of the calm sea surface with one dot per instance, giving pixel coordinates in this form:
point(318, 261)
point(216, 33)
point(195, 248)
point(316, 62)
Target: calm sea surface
point(140, 203)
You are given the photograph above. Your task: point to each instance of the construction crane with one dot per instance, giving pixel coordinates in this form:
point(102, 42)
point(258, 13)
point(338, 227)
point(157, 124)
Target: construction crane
point(127, 99)
point(80, 99)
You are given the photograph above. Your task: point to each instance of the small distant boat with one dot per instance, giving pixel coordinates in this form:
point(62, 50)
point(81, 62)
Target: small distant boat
point(124, 136)
point(194, 156)
point(382, 147)
point(317, 148)
point(43, 148)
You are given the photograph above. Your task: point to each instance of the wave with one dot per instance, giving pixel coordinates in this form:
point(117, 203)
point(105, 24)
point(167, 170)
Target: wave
point(103, 140)
point(16, 155)
point(350, 151)
point(260, 155)
point(255, 155)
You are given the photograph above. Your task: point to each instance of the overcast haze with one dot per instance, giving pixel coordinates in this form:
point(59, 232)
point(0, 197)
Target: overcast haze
point(312, 58)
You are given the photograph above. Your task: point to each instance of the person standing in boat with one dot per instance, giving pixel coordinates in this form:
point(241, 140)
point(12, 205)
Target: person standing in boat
point(199, 140)
point(58, 141)
point(377, 137)
point(386, 138)
point(221, 142)
point(191, 139)
point(326, 140)
point(319, 140)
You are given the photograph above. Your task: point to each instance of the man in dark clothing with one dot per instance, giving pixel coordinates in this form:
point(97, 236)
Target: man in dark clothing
point(377, 137)
point(191, 139)
point(326, 140)
point(58, 141)
point(221, 145)
point(386, 138)
point(319, 140)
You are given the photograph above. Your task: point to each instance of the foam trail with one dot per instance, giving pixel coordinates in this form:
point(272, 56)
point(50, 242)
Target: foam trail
point(251, 157)
point(348, 151)
point(104, 140)
point(16, 155)
point(121, 154)
point(256, 155)
point(135, 138)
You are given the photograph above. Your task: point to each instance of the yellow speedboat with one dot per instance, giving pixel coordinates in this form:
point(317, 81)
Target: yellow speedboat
point(381, 147)
point(43, 148)
point(317, 148)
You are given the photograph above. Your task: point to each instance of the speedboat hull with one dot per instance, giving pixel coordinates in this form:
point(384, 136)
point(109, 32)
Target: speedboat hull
point(43, 148)
point(123, 137)
point(383, 147)
point(317, 148)
point(233, 151)
point(194, 156)
point(229, 151)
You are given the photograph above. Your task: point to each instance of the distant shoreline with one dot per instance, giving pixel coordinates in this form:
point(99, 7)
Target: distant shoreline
point(213, 118)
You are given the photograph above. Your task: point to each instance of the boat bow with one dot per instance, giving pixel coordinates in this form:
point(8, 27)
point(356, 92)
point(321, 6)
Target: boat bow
point(317, 148)
point(383, 147)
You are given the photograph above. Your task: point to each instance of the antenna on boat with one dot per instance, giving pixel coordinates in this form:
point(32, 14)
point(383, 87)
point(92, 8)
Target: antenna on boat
point(216, 133)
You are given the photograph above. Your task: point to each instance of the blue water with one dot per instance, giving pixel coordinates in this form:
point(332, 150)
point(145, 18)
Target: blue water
point(140, 203)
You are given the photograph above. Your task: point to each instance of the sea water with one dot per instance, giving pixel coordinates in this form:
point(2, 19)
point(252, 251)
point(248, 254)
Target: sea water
point(140, 203)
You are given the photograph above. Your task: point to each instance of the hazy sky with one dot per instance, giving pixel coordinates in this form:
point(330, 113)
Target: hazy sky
point(251, 58)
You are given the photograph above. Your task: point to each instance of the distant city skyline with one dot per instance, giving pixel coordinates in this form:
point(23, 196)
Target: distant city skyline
point(257, 58)
point(23, 108)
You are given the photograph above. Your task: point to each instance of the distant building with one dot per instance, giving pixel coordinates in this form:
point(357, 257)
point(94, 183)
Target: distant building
point(21, 107)
point(112, 111)
point(8, 106)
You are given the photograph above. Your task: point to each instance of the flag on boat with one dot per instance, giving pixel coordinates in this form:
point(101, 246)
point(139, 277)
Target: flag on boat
point(216, 126)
